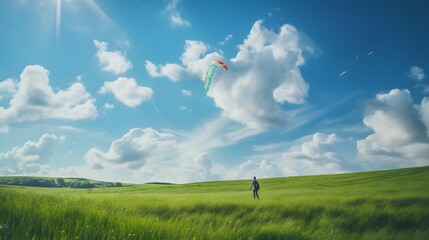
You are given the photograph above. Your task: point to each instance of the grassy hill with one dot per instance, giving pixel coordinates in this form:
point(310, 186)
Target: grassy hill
point(390, 204)
point(56, 182)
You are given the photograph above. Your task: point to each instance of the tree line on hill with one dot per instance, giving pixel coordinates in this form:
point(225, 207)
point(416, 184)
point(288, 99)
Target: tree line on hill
point(58, 182)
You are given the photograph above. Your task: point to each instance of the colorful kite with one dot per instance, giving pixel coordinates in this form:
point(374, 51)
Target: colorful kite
point(210, 72)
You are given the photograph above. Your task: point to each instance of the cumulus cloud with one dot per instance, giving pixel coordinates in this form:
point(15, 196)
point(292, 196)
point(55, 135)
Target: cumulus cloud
point(400, 138)
point(111, 61)
point(198, 168)
point(416, 73)
point(150, 155)
point(127, 91)
point(154, 155)
point(251, 168)
point(203, 164)
point(317, 153)
point(31, 157)
point(172, 71)
point(263, 75)
point(424, 113)
point(152, 69)
point(108, 106)
point(34, 99)
point(192, 63)
point(400, 132)
point(7, 88)
point(133, 149)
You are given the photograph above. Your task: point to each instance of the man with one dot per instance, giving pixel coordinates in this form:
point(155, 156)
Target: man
point(255, 186)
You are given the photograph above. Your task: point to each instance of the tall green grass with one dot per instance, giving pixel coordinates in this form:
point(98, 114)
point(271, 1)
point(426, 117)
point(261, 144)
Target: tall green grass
point(376, 205)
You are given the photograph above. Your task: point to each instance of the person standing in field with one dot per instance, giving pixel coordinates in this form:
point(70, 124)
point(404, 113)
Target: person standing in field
point(255, 186)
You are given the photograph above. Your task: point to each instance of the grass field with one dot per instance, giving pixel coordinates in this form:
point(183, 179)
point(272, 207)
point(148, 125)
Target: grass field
point(374, 205)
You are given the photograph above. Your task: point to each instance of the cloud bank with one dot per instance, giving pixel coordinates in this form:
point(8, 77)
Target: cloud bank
point(399, 138)
point(30, 158)
point(317, 153)
point(169, 156)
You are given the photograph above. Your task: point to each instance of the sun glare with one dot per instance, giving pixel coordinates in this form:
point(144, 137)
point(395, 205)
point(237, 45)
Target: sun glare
point(58, 19)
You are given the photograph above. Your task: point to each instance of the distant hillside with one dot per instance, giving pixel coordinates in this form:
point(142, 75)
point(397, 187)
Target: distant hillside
point(57, 182)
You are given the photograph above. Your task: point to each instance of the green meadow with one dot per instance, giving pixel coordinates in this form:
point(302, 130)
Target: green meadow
point(391, 204)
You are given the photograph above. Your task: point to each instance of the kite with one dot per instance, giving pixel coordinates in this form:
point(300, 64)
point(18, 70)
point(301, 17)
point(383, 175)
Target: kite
point(210, 72)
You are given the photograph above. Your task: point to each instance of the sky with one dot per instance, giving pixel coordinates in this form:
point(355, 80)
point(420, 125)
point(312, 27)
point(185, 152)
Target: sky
point(113, 90)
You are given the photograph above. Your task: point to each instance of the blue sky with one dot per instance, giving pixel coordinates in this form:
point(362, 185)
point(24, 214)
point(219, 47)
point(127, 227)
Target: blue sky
point(114, 91)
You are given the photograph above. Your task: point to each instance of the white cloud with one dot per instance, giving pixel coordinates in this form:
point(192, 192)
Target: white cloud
point(400, 137)
point(198, 168)
point(8, 87)
point(227, 38)
point(153, 155)
point(172, 5)
point(112, 61)
point(133, 149)
point(184, 108)
point(152, 69)
point(252, 168)
point(187, 93)
point(35, 99)
point(172, 71)
point(30, 158)
point(264, 75)
point(127, 91)
point(4, 129)
point(416, 73)
point(318, 153)
point(191, 63)
point(342, 73)
point(424, 113)
point(175, 19)
point(124, 43)
point(108, 106)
